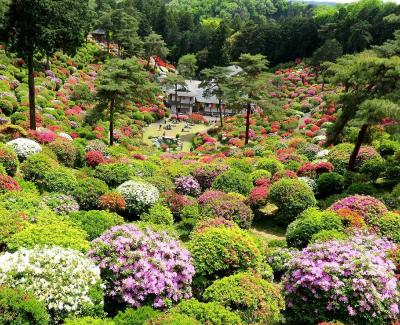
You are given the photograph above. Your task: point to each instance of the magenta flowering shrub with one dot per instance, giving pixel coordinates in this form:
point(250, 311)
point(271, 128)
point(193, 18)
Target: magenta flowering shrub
point(350, 281)
point(143, 266)
point(230, 208)
point(187, 185)
point(206, 175)
point(209, 196)
point(366, 206)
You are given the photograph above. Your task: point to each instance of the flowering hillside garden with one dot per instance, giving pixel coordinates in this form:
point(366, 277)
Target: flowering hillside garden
point(126, 199)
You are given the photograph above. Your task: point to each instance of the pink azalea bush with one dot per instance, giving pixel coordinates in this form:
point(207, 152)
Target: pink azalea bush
point(188, 185)
point(143, 266)
point(350, 281)
point(366, 206)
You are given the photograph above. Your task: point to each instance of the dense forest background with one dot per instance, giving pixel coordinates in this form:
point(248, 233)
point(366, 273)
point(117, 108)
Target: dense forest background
point(219, 31)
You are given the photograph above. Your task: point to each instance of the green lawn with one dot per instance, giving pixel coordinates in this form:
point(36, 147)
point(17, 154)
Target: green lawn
point(186, 137)
point(267, 229)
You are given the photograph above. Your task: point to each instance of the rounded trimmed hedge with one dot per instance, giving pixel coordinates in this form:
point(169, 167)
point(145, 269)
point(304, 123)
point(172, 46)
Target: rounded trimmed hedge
point(292, 197)
point(207, 313)
point(233, 180)
point(255, 300)
point(221, 251)
point(309, 223)
point(95, 222)
point(21, 308)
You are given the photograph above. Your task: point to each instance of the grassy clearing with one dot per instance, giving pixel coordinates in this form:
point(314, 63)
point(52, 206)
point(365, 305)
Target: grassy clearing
point(267, 229)
point(186, 137)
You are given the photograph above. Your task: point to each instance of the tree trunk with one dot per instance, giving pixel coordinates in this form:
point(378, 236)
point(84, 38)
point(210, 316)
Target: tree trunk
point(31, 85)
point(176, 101)
point(220, 112)
point(112, 103)
point(149, 58)
point(248, 112)
point(360, 139)
point(48, 65)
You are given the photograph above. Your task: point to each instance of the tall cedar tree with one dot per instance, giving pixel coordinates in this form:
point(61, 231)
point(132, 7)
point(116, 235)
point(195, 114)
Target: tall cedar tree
point(369, 81)
point(174, 80)
point(118, 83)
point(45, 26)
point(213, 79)
point(154, 45)
point(247, 87)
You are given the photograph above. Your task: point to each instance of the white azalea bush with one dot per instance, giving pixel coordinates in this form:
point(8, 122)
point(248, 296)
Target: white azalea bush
point(24, 147)
point(64, 279)
point(65, 136)
point(138, 195)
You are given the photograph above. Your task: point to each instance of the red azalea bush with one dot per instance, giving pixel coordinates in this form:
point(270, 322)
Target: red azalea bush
point(229, 207)
point(258, 196)
point(94, 158)
point(313, 170)
point(7, 183)
point(207, 174)
point(323, 167)
point(209, 196)
point(112, 201)
point(197, 118)
point(176, 202)
point(283, 174)
point(307, 170)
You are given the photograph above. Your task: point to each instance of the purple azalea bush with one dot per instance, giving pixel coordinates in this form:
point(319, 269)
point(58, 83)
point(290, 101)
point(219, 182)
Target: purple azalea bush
point(187, 185)
point(366, 206)
point(143, 266)
point(350, 281)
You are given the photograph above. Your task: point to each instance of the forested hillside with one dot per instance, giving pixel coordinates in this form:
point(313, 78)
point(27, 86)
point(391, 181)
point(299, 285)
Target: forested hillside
point(219, 31)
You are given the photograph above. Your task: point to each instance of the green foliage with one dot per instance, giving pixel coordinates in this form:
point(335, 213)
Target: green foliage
point(260, 174)
point(95, 222)
point(326, 235)
point(50, 232)
point(155, 45)
point(389, 226)
point(21, 308)
point(173, 319)
point(374, 168)
point(136, 316)
point(253, 299)
point(65, 151)
point(207, 313)
point(36, 166)
point(114, 174)
point(329, 51)
point(187, 66)
point(292, 197)
point(88, 192)
point(60, 180)
point(8, 159)
point(233, 180)
point(310, 222)
point(339, 156)
point(222, 251)
point(388, 148)
point(118, 82)
point(240, 164)
point(88, 321)
point(330, 183)
point(270, 164)
point(362, 189)
point(158, 214)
